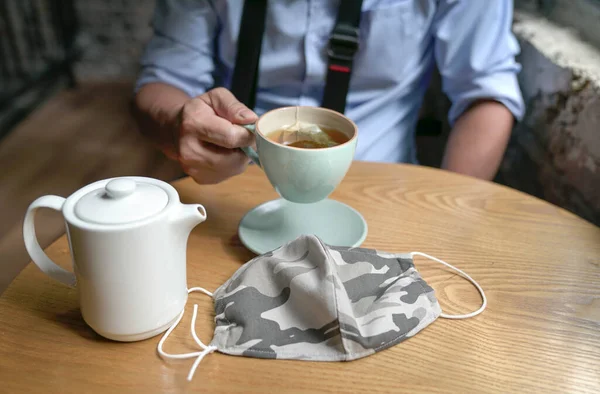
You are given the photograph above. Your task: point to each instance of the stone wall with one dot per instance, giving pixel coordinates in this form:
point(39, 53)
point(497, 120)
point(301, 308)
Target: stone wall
point(112, 34)
point(555, 152)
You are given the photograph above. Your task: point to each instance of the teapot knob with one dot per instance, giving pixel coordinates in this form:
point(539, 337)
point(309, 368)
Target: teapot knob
point(119, 188)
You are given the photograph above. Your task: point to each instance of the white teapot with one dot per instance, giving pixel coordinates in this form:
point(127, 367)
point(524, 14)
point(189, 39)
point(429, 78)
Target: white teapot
point(128, 239)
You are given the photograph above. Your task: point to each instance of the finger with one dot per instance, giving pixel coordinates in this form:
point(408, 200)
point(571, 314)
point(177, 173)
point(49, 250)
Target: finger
point(228, 107)
point(198, 154)
point(206, 177)
point(229, 161)
point(199, 119)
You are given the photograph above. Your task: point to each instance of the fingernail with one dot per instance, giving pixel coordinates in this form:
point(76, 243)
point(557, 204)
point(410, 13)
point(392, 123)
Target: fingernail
point(246, 114)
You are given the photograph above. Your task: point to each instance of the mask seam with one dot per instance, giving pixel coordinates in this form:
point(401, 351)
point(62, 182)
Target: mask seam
point(242, 269)
point(345, 358)
point(228, 330)
point(216, 296)
point(337, 310)
point(281, 353)
point(418, 274)
point(385, 345)
point(394, 255)
point(424, 290)
point(235, 275)
point(397, 257)
point(239, 272)
point(346, 353)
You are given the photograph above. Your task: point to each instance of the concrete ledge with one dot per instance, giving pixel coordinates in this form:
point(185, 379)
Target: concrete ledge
point(555, 151)
point(582, 16)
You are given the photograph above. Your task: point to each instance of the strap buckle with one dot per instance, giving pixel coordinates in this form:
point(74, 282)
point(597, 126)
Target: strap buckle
point(343, 43)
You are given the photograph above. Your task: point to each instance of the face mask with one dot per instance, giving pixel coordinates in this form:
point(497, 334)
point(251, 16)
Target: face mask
point(310, 301)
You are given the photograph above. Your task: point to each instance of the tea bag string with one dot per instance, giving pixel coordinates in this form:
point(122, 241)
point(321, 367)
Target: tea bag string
point(199, 355)
point(297, 123)
point(295, 128)
point(464, 275)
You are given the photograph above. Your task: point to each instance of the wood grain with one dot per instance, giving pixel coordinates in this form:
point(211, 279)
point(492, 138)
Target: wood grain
point(77, 137)
point(539, 266)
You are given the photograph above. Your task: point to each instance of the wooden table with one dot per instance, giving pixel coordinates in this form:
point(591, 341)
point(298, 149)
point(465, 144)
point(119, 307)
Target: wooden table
point(539, 265)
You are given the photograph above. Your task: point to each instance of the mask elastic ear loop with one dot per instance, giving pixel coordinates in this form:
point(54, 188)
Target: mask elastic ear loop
point(199, 355)
point(464, 275)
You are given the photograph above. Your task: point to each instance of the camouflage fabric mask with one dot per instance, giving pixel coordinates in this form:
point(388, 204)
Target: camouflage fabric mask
point(310, 301)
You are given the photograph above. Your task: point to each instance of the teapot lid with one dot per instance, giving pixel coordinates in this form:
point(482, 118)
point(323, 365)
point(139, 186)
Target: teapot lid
point(121, 201)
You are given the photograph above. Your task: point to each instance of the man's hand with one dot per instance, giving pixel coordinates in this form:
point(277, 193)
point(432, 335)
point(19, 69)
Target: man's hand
point(209, 135)
point(202, 133)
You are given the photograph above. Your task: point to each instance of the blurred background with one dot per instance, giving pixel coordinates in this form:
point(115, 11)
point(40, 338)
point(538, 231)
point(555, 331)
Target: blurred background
point(66, 76)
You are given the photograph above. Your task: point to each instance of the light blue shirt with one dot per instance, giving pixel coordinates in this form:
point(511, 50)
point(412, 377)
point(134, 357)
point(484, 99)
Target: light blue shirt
point(194, 47)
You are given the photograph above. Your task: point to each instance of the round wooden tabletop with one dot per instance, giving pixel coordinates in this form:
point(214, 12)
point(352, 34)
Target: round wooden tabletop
point(538, 264)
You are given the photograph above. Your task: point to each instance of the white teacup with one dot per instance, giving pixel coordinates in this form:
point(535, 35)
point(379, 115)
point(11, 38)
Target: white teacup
point(303, 175)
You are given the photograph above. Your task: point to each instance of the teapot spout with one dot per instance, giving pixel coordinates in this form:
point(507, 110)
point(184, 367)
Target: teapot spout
point(188, 216)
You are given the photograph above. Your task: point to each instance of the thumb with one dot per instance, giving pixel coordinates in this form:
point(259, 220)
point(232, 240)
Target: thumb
point(226, 106)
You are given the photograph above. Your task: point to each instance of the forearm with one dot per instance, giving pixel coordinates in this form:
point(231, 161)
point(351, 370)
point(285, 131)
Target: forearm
point(156, 107)
point(478, 140)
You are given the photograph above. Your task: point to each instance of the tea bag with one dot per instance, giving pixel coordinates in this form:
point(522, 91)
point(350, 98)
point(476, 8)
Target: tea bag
point(304, 134)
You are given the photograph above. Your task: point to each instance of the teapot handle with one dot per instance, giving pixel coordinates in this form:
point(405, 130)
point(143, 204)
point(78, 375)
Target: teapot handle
point(32, 245)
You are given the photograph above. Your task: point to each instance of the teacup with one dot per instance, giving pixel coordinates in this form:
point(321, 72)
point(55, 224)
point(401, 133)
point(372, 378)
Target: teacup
point(302, 175)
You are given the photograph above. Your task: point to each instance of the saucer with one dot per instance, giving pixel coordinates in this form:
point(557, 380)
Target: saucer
point(277, 222)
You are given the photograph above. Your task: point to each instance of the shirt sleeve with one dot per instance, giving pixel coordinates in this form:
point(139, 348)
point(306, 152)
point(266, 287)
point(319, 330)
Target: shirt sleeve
point(475, 52)
point(180, 51)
